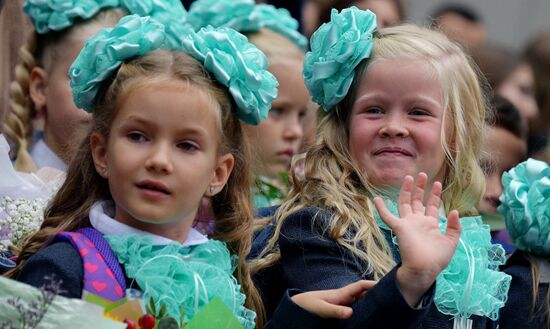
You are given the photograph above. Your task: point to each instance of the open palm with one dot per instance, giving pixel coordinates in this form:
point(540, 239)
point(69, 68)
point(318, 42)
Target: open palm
point(424, 250)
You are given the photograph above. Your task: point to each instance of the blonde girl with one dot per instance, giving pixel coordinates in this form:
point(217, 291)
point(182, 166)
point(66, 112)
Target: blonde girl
point(399, 103)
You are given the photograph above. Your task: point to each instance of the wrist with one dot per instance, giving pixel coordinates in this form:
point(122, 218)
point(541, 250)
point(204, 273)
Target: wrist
point(414, 284)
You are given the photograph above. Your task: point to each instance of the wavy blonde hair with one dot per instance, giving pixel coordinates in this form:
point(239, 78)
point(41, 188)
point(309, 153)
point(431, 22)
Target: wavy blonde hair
point(40, 50)
point(83, 187)
point(334, 183)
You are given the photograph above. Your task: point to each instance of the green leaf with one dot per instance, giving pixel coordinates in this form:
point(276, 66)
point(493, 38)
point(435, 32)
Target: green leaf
point(162, 311)
point(152, 306)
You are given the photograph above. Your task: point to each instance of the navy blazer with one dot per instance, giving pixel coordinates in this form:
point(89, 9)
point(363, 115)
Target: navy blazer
point(310, 260)
point(517, 312)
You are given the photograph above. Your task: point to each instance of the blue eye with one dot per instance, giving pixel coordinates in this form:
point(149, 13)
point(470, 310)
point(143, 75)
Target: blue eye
point(374, 110)
point(136, 136)
point(418, 112)
point(188, 146)
point(276, 112)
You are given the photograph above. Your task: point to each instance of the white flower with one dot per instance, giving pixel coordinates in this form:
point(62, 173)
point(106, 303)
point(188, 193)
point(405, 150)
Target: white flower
point(20, 218)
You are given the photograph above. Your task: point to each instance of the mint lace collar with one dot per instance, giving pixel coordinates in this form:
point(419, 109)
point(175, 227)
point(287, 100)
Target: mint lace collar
point(472, 283)
point(185, 277)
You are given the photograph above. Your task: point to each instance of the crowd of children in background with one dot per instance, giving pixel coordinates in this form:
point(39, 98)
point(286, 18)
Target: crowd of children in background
point(342, 170)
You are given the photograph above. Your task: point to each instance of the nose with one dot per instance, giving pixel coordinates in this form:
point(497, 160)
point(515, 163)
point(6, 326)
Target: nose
point(294, 128)
point(393, 126)
point(159, 159)
point(493, 187)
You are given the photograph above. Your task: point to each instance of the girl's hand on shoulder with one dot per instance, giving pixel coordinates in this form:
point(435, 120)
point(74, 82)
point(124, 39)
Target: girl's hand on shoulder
point(332, 303)
point(424, 250)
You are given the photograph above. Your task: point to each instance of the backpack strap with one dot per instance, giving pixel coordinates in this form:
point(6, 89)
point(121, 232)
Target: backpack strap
point(103, 275)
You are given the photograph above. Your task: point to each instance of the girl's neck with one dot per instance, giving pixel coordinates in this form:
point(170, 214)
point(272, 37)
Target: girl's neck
point(104, 211)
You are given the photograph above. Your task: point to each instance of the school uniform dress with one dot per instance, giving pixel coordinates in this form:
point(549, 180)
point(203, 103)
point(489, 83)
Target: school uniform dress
point(310, 260)
point(517, 312)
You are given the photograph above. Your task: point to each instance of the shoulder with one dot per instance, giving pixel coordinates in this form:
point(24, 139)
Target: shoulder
point(60, 260)
point(311, 219)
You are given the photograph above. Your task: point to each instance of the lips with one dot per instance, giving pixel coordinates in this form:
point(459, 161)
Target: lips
point(392, 150)
point(150, 185)
point(286, 153)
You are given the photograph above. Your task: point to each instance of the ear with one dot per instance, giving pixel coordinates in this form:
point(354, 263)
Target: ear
point(38, 85)
point(221, 174)
point(98, 144)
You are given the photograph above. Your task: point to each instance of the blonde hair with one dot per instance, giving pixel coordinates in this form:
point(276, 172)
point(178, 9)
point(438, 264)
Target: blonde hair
point(83, 187)
point(538, 309)
point(40, 51)
point(335, 184)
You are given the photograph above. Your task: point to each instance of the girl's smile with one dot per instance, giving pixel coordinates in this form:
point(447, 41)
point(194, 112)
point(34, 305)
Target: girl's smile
point(396, 122)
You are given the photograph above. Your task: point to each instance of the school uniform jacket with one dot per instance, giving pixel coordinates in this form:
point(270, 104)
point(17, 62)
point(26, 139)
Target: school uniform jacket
point(310, 260)
point(517, 312)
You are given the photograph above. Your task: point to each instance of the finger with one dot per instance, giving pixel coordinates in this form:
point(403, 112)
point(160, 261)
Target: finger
point(386, 216)
point(417, 198)
point(434, 200)
point(350, 293)
point(328, 310)
point(404, 202)
point(453, 226)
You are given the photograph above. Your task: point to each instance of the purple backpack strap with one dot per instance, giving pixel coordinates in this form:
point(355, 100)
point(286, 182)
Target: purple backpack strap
point(103, 275)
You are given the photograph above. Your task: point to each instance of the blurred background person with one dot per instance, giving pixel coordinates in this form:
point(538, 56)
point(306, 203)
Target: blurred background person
point(461, 23)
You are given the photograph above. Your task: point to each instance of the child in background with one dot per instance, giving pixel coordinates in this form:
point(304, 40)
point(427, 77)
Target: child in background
point(504, 148)
point(399, 102)
point(525, 206)
point(41, 86)
point(275, 140)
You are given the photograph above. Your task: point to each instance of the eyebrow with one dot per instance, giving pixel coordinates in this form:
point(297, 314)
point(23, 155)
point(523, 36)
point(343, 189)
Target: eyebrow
point(135, 119)
point(376, 97)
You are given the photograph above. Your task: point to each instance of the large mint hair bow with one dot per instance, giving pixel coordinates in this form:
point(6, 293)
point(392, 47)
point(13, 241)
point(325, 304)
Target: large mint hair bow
point(238, 65)
point(104, 52)
point(337, 47)
point(56, 15)
point(232, 60)
point(526, 206)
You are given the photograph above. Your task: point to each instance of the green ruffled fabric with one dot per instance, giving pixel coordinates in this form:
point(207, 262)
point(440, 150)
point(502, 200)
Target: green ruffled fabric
point(237, 64)
point(179, 276)
point(171, 13)
point(245, 16)
point(337, 47)
point(103, 54)
point(56, 15)
point(526, 206)
point(472, 283)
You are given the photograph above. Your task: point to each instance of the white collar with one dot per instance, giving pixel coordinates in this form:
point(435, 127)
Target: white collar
point(101, 219)
point(43, 156)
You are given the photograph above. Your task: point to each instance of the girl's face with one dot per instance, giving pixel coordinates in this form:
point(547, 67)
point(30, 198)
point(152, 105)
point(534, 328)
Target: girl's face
point(519, 89)
point(161, 157)
point(279, 137)
point(52, 96)
point(396, 122)
point(502, 151)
